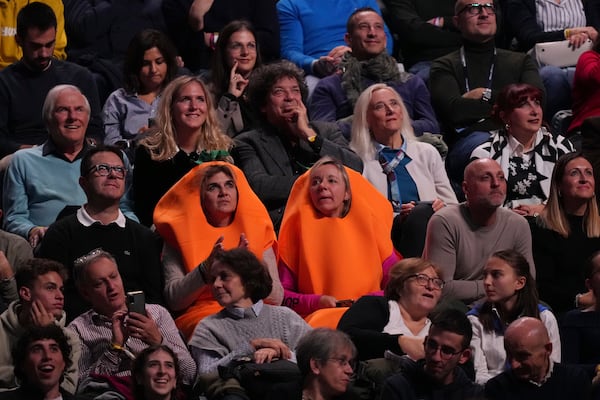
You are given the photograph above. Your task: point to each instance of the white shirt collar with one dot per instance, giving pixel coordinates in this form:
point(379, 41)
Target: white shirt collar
point(516, 148)
point(86, 220)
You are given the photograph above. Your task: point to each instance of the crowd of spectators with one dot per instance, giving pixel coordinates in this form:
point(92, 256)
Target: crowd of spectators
point(194, 188)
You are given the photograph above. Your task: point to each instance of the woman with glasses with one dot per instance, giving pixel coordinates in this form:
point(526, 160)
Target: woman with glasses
point(246, 326)
point(510, 293)
point(334, 242)
point(235, 57)
point(409, 173)
point(327, 361)
point(211, 209)
point(398, 321)
point(187, 133)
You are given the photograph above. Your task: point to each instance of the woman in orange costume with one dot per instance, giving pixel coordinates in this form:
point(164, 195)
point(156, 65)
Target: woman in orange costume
point(334, 242)
point(210, 209)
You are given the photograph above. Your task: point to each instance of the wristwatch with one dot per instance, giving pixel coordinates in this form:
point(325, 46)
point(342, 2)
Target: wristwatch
point(487, 95)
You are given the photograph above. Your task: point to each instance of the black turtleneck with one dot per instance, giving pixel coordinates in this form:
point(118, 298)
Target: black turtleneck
point(447, 83)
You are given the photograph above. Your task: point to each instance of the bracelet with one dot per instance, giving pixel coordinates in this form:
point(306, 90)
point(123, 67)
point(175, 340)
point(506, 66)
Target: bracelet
point(122, 349)
point(312, 138)
point(567, 33)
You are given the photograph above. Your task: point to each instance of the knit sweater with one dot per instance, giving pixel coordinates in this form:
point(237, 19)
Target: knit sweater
point(460, 247)
point(135, 248)
point(228, 336)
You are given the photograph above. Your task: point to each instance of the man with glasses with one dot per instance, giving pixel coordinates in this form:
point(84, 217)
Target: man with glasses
point(41, 181)
point(100, 223)
point(438, 375)
point(532, 374)
point(460, 238)
point(464, 83)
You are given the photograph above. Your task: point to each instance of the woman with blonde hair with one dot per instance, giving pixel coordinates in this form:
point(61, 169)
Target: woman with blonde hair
point(566, 233)
point(409, 173)
point(186, 134)
point(398, 321)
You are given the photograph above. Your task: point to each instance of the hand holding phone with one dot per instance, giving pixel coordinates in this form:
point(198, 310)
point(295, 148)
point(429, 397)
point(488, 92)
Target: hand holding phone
point(136, 302)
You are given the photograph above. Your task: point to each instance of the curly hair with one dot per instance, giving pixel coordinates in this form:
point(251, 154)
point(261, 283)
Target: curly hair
point(32, 334)
point(162, 143)
point(254, 275)
point(266, 76)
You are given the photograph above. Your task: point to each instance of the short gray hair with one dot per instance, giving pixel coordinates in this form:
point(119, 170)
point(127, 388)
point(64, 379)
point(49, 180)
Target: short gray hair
point(81, 264)
point(320, 344)
point(50, 101)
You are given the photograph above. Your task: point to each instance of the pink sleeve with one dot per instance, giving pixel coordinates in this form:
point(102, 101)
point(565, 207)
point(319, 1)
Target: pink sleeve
point(303, 304)
point(387, 264)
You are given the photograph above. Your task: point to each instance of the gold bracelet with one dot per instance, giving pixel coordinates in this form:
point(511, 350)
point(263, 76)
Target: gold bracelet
point(312, 138)
point(567, 33)
point(118, 347)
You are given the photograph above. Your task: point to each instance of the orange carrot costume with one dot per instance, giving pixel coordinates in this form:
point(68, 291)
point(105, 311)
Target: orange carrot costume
point(340, 257)
point(181, 222)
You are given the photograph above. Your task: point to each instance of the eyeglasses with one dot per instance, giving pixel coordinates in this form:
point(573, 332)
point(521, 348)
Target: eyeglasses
point(105, 170)
point(446, 352)
point(342, 362)
point(477, 9)
point(425, 280)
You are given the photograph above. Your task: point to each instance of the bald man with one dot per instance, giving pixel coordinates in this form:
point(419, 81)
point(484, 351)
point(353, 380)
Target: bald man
point(532, 374)
point(460, 238)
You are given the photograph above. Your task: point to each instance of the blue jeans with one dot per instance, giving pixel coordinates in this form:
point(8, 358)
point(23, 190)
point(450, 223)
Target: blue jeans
point(558, 83)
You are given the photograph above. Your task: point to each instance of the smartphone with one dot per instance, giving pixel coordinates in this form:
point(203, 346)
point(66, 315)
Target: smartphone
point(151, 122)
point(136, 302)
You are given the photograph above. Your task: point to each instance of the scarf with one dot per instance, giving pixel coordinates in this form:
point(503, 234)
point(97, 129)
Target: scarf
point(358, 75)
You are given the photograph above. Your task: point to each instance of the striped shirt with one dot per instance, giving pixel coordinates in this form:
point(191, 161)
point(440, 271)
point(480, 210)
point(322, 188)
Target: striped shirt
point(97, 356)
point(552, 16)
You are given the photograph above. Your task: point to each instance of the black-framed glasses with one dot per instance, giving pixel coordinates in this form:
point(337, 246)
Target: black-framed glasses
point(425, 280)
point(105, 170)
point(342, 362)
point(477, 8)
point(446, 352)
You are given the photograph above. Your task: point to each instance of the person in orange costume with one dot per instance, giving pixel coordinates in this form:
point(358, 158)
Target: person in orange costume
point(334, 242)
point(211, 208)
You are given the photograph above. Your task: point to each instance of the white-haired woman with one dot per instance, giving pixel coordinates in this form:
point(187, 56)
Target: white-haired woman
point(409, 173)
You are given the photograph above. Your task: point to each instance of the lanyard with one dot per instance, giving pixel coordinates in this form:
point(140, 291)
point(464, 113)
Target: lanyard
point(464, 65)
